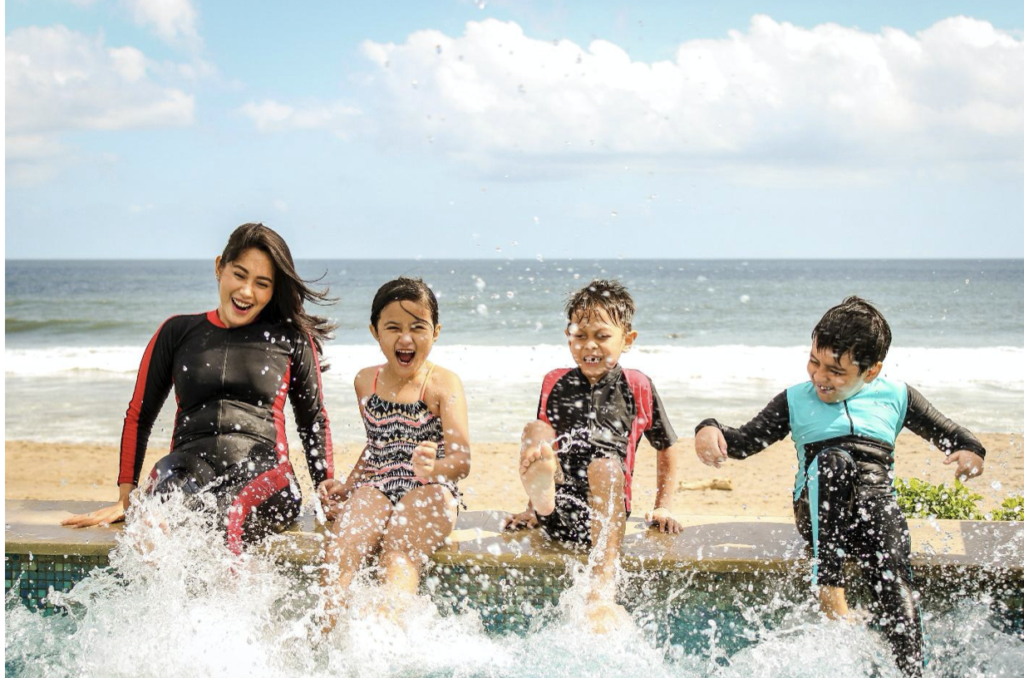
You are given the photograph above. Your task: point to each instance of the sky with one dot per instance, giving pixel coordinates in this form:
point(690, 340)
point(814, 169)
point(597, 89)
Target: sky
point(457, 129)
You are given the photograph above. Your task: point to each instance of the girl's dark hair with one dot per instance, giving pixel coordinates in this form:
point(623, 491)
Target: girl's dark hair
point(403, 289)
point(290, 291)
point(855, 326)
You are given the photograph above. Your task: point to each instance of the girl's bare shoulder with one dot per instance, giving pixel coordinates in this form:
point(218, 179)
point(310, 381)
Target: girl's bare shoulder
point(443, 384)
point(364, 379)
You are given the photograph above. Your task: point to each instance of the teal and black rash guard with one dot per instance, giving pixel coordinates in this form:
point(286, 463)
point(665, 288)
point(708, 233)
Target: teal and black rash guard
point(866, 423)
point(843, 499)
point(230, 385)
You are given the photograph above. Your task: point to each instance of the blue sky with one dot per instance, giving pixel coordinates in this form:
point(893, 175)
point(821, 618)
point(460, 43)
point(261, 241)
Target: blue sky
point(149, 129)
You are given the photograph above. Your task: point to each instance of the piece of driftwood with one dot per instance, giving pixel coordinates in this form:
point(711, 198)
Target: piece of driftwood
point(712, 484)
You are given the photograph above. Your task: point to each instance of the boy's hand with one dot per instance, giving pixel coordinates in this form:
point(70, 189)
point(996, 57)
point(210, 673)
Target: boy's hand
point(423, 458)
point(968, 464)
point(661, 518)
point(527, 519)
point(711, 446)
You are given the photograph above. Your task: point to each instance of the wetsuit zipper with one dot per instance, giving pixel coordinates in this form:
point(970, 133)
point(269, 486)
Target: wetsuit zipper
point(848, 416)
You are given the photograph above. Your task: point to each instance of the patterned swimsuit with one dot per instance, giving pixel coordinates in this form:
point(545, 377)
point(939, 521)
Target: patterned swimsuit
point(393, 430)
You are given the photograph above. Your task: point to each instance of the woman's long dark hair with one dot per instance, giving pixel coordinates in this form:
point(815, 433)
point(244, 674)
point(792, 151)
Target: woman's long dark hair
point(290, 291)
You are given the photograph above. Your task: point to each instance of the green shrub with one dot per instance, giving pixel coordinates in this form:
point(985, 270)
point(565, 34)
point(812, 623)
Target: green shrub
point(1012, 509)
point(920, 499)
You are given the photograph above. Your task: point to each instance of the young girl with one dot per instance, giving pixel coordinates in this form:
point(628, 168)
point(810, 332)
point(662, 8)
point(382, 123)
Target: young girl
point(401, 497)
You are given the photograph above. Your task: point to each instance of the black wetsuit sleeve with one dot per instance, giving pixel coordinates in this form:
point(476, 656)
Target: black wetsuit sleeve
point(660, 434)
point(769, 426)
point(306, 395)
point(152, 385)
point(926, 421)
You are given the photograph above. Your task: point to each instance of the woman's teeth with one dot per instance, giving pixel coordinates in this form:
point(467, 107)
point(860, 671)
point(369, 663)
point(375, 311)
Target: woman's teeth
point(240, 306)
point(405, 357)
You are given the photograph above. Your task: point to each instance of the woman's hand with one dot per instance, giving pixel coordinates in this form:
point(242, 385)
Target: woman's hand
point(423, 458)
point(332, 494)
point(106, 515)
point(711, 446)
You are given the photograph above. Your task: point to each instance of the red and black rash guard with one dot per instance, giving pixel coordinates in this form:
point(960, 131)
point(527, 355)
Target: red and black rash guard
point(230, 385)
point(603, 420)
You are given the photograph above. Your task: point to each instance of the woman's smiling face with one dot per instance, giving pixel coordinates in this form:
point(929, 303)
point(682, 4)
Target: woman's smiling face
point(246, 286)
point(405, 335)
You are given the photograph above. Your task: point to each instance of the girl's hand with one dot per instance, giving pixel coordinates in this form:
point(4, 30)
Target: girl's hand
point(968, 464)
point(711, 446)
point(106, 515)
point(423, 458)
point(332, 496)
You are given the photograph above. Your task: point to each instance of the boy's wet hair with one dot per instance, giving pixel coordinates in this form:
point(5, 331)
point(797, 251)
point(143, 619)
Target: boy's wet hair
point(855, 326)
point(403, 289)
point(609, 295)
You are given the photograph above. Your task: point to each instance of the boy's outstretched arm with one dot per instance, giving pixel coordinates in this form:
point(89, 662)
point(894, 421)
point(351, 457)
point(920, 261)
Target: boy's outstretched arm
point(960, 445)
point(715, 441)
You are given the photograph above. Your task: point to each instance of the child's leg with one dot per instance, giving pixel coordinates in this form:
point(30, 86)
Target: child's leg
point(419, 525)
point(538, 467)
point(353, 535)
point(608, 526)
point(882, 543)
point(825, 515)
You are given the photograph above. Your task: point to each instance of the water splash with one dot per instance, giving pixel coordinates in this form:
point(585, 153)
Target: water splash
point(176, 602)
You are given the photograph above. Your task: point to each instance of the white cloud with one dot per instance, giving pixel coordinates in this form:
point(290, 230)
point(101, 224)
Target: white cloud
point(172, 20)
point(59, 80)
point(776, 94)
point(272, 116)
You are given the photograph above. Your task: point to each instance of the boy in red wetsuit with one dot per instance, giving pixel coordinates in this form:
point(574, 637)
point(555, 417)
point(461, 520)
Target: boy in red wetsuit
point(576, 460)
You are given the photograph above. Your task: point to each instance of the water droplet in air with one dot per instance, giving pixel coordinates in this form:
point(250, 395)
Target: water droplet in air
point(996, 485)
point(481, 309)
point(744, 298)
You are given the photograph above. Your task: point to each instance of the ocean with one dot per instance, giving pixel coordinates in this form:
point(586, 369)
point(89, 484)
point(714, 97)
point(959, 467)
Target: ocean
point(718, 338)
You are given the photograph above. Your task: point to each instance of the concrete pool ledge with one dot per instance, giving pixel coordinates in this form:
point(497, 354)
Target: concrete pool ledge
point(707, 543)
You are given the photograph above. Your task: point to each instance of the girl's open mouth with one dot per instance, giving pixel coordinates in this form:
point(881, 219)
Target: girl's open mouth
point(405, 358)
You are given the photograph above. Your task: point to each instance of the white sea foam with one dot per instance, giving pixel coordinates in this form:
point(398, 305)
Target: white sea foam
point(80, 393)
point(703, 367)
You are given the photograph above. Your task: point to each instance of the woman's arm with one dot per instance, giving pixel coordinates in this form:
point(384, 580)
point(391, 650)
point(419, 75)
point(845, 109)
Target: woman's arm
point(306, 395)
point(152, 385)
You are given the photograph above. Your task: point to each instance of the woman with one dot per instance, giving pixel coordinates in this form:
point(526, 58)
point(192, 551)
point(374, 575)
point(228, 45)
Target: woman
point(231, 370)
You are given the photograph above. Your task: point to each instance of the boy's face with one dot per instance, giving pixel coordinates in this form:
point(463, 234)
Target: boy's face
point(836, 379)
point(596, 343)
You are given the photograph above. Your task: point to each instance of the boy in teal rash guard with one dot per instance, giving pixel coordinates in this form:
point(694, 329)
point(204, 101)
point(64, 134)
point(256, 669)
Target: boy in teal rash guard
point(844, 423)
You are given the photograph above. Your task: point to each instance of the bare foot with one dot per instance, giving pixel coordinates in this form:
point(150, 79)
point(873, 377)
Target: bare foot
point(606, 617)
point(537, 467)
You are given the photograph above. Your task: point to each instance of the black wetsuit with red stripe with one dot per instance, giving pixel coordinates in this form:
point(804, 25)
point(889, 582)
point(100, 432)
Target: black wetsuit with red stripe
point(603, 420)
point(230, 385)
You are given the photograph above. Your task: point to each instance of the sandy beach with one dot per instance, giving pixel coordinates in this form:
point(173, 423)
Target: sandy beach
point(761, 485)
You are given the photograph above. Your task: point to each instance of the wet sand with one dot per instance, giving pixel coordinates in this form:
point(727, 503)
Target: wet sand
point(761, 485)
